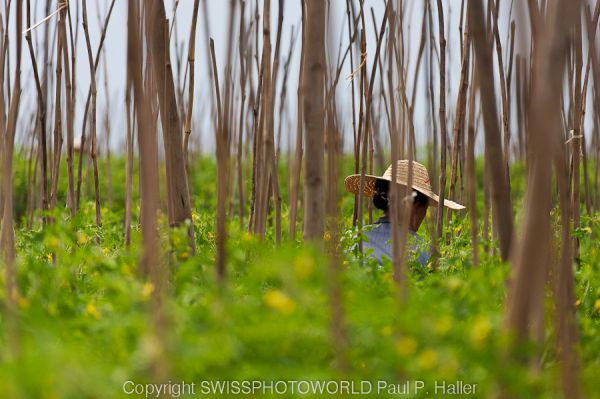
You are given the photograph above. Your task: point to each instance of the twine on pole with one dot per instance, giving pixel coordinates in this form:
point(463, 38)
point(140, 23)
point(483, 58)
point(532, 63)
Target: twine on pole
point(353, 74)
point(61, 4)
point(573, 136)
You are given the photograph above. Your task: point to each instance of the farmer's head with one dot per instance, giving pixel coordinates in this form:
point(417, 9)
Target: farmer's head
point(421, 196)
point(419, 202)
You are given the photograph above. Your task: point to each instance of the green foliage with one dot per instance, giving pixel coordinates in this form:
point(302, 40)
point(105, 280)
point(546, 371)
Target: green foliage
point(84, 314)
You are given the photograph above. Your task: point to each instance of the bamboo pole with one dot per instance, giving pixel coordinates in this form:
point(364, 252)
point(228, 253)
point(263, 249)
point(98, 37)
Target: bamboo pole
point(461, 102)
point(70, 107)
point(297, 163)
point(525, 301)
point(7, 234)
point(243, 82)
point(94, 149)
point(178, 203)
point(577, 132)
point(58, 140)
point(368, 111)
point(313, 111)
point(129, 164)
point(148, 150)
point(394, 201)
point(500, 194)
point(442, 117)
point(191, 62)
point(470, 168)
point(504, 100)
point(106, 127)
point(41, 114)
point(84, 123)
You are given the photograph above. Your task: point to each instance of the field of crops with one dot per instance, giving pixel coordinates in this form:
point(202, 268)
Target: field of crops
point(299, 198)
point(85, 313)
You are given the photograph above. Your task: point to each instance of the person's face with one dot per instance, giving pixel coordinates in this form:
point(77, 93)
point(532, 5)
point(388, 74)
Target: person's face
point(417, 214)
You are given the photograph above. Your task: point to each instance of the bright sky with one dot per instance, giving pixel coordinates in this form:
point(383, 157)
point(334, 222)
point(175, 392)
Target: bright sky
point(114, 63)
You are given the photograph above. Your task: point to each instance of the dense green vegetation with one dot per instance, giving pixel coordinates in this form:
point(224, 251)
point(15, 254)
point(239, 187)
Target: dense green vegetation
point(84, 312)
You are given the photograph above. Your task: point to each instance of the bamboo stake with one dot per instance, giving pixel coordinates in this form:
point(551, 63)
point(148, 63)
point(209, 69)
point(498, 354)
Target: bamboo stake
point(525, 301)
point(500, 194)
point(2, 61)
point(129, 164)
point(503, 94)
point(31, 174)
point(297, 165)
point(338, 328)
point(178, 203)
point(313, 103)
point(367, 120)
point(434, 131)
point(107, 133)
point(41, 113)
point(243, 82)
point(461, 102)
point(7, 235)
point(191, 62)
point(148, 151)
point(84, 123)
point(94, 150)
point(221, 164)
point(471, 178)
point(69, 104)
point(577, 131)
point(270, 134)
point(442, 116)
point(57, 124)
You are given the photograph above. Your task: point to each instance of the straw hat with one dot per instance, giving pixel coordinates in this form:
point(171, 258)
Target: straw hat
point(421, 182)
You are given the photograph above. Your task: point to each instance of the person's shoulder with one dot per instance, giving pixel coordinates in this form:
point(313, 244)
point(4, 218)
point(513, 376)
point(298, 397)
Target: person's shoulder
point(374, 227)
point(377, 231)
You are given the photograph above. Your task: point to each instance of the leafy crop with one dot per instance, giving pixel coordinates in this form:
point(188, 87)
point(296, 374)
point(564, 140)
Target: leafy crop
point(84, 313)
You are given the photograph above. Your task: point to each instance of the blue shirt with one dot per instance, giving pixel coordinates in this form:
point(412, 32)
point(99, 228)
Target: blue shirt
point(379, 239)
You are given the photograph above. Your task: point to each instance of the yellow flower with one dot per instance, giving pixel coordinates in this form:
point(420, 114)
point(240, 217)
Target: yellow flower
point(127, 270)
point(327, 236)
point(427, 359)
point(53, 242)
point(449, 367)
point(279, 301)
point(147, 290)
point(24, 302)
point(386, 331)
point(303, 265)
point(49, 257)
point(480, 330)
point(184, 255)
point(105, 251)
point(82, 239)
point(597, 304)
point(453, 283)
point(195, 215)
point(443, 324)
point(91, 310)
point(246, 237)
point(406, 346)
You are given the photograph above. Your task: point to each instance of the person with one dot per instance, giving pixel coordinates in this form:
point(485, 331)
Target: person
point(378, 188)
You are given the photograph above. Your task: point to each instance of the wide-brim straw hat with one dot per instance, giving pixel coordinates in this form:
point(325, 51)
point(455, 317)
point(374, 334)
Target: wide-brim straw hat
point(420, 183)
